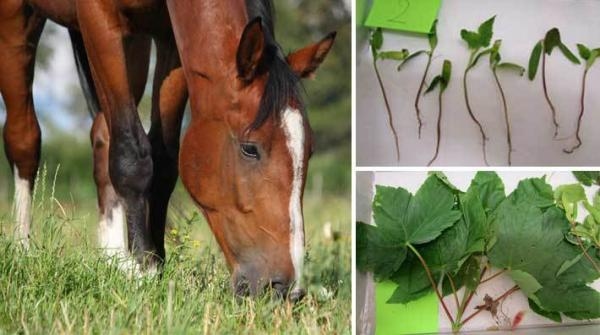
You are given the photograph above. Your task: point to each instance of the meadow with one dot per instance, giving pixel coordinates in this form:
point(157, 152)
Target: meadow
point(65, 284)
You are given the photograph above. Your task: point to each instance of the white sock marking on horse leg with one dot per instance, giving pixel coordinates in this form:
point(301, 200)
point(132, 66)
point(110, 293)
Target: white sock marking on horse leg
point(294, 131)
point(22, 207)
point(111, 234)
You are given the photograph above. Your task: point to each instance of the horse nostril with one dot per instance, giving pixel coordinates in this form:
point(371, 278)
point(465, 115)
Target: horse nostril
point(297, 294)
point(242, 288)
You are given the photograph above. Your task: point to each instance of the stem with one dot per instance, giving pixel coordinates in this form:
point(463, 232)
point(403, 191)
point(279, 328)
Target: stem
point(470, 110)
point(506, 118)
point(583, 249)
point(579, 143)
point(453, 290)
point(492, 277)
point(388, 109)
point(467, 297)
point(433, 284)
point(503, 296)
point(439, 129)
point(420, 92)
point(548, 96)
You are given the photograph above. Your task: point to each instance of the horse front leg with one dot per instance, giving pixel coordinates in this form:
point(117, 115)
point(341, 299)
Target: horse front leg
point(20, 29)
point(169, 95)
point(130, 154)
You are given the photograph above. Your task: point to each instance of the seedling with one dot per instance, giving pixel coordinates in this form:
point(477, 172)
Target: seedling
point(495, 64)
point(442, 80)
point(376, 42)
point(433, 41)
point(589, 57)
point(443, 239)
point(542, 49)
point(477, 41)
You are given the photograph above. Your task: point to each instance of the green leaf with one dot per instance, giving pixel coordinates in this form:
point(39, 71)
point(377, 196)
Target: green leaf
point(490, 188)
point(568, 264)
point(446, 74)
point(394, 55)
point(552, 40)
point(444, 179)
point(584, 52)
point(587, 178)
point(376, 252)
point(568, 198)
point(411, 56)
point(512, 66)
point(534, 191)
point(486, 31)
point(475, 219)
point(376, 39)
point(412, 282)
point(593, 57)
point(472, 39)
point(469, 273)
point(534, 60)
point(568, 53)
point(527, 283)
point(434, 83)
point(433, 40)
point(554, 316)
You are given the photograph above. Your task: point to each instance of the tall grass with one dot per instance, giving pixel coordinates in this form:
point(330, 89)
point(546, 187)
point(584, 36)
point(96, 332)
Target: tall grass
point(65, 284)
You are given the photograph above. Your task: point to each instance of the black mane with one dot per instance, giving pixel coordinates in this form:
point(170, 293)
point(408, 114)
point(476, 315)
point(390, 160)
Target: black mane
point(283, 85)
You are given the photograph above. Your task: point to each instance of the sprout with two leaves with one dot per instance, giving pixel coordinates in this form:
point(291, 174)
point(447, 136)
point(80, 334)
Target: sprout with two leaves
point(433, 41)
point(442, 80)
point(477, 40)
point(542, 49)
point(589, 56)
point(495, 64)
point(376, 43)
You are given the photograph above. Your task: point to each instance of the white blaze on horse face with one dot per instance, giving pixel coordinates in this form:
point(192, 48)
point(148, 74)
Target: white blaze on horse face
point(22, 207)
point(111, 236)
point(293, 127)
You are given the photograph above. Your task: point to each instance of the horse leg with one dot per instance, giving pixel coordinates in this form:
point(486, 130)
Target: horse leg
point(130, 159)
point(111, 225)
point(169, 95)
point(20, 30)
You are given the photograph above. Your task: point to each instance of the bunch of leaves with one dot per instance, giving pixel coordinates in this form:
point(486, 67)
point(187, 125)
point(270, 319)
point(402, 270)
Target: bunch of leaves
point(478, 42)
point(496, 64)
point(589, 57)
point(584, 234)
point(376, 42)
point(542, 49)
point(442, 80)
point(588, 178)
point(433, 42)
point(444, 239)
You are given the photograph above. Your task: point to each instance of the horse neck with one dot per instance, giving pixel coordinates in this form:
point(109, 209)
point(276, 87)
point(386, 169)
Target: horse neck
point(207, 33)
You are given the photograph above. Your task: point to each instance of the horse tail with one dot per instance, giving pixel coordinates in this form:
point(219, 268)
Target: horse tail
point(84, 72)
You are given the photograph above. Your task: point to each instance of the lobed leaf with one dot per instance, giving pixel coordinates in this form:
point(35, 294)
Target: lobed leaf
point(587, 178)
point(486, 31)
point(376, 252)
point(472, 39)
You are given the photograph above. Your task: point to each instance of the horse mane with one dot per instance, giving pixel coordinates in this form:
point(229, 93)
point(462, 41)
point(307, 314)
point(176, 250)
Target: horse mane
point(283, 85)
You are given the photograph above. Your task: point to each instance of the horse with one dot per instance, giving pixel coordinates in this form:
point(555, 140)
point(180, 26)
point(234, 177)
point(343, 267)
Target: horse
point(243, 158)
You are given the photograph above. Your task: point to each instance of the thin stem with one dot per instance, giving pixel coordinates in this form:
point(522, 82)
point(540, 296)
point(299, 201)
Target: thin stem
point(583, 249)
point(492, 277)
point(453, 285)
point(548, 96)
point(388, 109)
point(582, 110)
point(433, 284)
point(506, 118)
point(439, 129)
point(470, 110)
point(420, 92)
point(503, 296)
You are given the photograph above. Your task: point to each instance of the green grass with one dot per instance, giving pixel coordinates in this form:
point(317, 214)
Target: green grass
point(64, 284)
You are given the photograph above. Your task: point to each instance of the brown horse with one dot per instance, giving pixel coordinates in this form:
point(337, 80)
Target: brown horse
point(244, 156)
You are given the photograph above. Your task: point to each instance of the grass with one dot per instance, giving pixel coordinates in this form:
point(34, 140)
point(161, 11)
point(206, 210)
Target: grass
point(64, 283)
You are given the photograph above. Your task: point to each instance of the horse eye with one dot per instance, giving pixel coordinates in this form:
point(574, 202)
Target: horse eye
point(250, 150)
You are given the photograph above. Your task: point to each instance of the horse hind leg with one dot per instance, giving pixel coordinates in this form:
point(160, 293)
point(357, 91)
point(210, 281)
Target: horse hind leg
point(20, 29)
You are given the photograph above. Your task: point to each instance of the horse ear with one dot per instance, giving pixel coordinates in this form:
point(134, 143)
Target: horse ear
point(250, 50)
point(304, 62)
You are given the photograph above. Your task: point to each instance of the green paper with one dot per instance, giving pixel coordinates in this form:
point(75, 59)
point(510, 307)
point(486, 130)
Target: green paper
point(407, 15)
point(420, 316)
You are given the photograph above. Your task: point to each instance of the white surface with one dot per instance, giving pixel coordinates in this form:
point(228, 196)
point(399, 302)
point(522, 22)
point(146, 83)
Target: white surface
point(520, 24)
point(22, 209)
point(517, 301)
